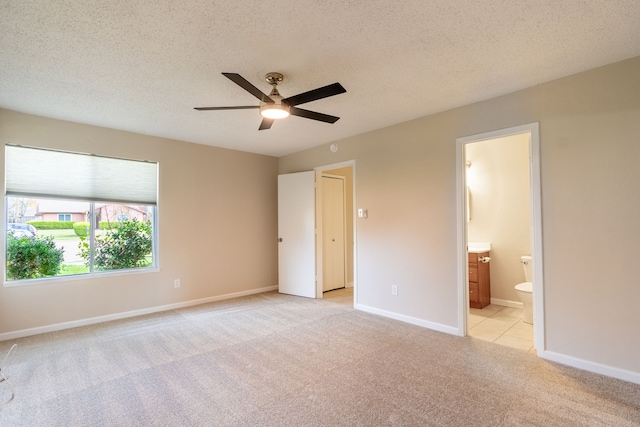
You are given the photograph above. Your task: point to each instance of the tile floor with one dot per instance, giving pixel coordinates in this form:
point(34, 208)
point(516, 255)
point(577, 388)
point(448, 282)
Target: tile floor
point(495, 323)
point(501, 325)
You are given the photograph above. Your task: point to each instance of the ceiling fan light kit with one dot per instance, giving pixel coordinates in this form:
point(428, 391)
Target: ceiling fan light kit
point(274, 106)
point(274, 111)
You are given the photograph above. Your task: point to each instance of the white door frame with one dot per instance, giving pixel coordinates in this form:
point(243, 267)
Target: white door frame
point(536, 227)
point(319, 170)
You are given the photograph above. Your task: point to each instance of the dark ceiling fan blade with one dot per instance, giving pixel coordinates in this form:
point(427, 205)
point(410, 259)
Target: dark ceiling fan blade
point(294, 111)
point(266, 124)
point(312, 95)
point(244, 84)
point(240, 107)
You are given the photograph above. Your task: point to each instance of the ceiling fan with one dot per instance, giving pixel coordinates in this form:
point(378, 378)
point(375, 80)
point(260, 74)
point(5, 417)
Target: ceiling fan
point(275, 107)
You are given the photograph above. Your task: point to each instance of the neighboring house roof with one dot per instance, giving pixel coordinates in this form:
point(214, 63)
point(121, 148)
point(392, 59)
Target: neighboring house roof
point(30, 211)
point(63, 206)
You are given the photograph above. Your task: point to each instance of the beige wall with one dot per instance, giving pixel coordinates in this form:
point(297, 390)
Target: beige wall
point(498, 181)
point(217, 226)
point(590, 146)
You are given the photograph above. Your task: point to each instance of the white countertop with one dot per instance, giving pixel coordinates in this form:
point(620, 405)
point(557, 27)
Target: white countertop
point(478, 247)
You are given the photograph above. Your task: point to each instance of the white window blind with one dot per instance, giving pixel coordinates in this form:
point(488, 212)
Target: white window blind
point(35, 172)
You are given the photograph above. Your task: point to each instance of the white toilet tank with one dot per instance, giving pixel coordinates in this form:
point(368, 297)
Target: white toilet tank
point(525, 290)
point(526, 265)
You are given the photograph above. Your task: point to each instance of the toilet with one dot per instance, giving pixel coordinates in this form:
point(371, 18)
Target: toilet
point(525, 290)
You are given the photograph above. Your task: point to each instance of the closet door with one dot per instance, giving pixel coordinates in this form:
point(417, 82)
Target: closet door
point(333, 233)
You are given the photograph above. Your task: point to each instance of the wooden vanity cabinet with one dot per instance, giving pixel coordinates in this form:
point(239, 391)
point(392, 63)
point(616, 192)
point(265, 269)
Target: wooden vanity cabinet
point(479, 281)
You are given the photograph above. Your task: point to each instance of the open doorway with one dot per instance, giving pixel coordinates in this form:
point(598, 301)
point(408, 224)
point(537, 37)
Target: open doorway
point(498, 236)
point(494, 233)
point(336, 281)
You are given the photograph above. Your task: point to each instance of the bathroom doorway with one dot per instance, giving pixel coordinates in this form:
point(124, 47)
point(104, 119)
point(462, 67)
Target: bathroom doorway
point(499, 219)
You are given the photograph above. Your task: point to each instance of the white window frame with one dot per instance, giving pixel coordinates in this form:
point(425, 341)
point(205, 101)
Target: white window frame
point(16, 187)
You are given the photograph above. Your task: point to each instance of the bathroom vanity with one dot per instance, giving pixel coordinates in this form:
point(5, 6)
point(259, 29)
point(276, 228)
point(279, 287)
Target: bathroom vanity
point(479, 279)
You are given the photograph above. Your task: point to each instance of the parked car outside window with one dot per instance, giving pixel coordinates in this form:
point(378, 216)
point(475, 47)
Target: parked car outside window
point(28, 229)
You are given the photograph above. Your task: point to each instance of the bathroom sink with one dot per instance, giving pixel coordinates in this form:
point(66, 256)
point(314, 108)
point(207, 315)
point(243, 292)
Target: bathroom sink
point(478, 247)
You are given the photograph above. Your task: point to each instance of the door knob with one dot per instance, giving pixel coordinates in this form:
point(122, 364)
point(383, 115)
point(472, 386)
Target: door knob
point(279, 239)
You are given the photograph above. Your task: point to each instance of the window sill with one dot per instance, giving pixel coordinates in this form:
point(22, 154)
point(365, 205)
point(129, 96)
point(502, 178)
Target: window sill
point(73, 277)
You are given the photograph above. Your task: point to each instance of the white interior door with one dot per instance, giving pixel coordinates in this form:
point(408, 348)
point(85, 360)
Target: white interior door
point(296, 234)
point(333, 233)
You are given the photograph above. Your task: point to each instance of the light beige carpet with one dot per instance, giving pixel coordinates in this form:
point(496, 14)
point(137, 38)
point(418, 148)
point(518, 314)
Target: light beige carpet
point(277, 360)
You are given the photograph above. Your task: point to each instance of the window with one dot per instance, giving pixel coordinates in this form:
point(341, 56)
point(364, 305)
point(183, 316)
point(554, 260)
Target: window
point(91, 214)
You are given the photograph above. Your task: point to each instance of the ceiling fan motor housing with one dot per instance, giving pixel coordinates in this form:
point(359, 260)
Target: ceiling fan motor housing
point(277, 109)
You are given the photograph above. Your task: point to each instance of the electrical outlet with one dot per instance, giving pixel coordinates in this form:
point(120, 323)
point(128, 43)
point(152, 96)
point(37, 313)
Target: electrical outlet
point(394, 290)
point(176, 283)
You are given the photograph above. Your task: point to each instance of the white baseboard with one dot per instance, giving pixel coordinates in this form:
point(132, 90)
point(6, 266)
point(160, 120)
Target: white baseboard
point(586, 365)
point(507, 303)
point(116, 316)
point(622, 374)
point(408, 319)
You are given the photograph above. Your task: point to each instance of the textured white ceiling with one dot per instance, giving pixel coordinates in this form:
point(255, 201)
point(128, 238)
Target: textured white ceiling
point(141, 65)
